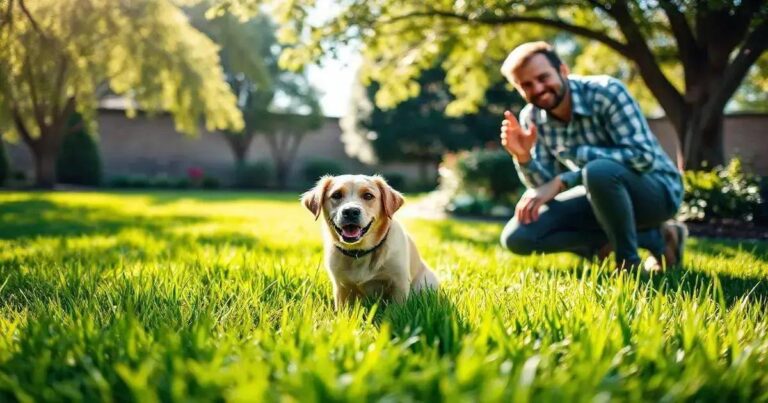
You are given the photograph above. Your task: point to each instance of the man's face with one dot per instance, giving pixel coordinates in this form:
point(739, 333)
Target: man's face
point(541, 84)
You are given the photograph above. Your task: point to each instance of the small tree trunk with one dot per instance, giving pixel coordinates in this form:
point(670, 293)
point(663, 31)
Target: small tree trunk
point(281, 173)
point(424, 171)
point(703, 143)
point(45, 165)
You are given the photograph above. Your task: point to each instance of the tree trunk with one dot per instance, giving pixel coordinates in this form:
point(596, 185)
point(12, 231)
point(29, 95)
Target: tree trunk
point(282, 168)
point(239, 144)
point(703, 139)
point(44, 154)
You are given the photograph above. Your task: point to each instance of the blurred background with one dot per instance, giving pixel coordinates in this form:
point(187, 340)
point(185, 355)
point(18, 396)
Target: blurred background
point(269, 95)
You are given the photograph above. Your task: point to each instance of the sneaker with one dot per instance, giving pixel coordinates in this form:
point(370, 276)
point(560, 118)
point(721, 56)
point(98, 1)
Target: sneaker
point(675, 234)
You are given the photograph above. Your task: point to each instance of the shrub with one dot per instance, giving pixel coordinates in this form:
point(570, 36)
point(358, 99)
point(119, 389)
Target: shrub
point(724, 192)
point(161, 181)
point(396, 180)
point(479, 182)
point(129, 181)
point(314, 169)
point(491, 172)
point(5, 167)
point(78, 162)
point(209, 182)
point(255, 175)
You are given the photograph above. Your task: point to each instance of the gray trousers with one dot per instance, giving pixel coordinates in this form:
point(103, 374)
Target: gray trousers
point(615, 205)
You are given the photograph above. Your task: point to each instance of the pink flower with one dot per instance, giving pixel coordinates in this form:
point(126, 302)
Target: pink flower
point(195, 173)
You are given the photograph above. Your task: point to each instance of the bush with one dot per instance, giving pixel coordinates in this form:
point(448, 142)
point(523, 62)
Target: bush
point(147, 182)
point(724, 192)
point(78, 161)
point(5, 167)
point(255, 175)
point(491, 172)
point(480, 182)
point(396, 180)
point(761, 216)
point(210, 182)
point(314, 169)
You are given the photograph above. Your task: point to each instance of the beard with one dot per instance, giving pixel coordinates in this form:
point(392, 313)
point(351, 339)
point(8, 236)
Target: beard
point(558, 97)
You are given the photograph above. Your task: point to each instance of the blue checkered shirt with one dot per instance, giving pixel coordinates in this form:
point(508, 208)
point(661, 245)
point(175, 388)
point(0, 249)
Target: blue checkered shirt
point(606, 122)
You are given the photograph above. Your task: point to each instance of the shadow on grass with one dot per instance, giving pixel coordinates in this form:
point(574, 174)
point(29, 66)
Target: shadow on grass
point(35, 217)
point(452, 231)
point(427, 320)
point(160, 197)
point(733, 288)
point(724, 248)
point(687, 281)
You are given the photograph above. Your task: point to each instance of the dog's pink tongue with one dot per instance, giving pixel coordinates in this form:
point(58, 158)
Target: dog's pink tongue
point(351, 231)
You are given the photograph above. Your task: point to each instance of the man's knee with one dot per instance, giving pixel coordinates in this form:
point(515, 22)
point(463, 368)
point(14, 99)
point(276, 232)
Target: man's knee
point(517, 239)
point(600, 173)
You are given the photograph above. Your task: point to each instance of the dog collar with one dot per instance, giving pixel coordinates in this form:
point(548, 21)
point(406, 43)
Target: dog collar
point(358, 253)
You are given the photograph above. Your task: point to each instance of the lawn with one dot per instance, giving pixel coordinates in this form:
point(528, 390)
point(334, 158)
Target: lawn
point(221, 296)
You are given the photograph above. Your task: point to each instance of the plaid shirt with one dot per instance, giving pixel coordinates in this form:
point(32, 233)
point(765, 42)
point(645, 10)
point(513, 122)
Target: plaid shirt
point(606, 122)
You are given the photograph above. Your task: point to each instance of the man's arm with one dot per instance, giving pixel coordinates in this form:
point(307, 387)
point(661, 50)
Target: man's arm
point(540, 166)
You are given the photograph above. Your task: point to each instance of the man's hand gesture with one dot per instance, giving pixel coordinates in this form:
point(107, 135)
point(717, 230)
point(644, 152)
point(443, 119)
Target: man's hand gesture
point(527, 208)
point(516, 140)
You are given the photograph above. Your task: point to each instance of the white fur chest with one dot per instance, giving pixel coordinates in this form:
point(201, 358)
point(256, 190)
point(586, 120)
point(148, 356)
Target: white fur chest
point(357, 271)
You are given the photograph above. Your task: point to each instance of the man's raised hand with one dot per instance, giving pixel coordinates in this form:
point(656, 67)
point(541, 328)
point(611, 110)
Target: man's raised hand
point(516, 140)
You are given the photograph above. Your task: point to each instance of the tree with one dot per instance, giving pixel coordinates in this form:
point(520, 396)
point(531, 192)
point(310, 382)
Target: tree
point(711, 43)
point(249, 59)
point(418, 129)
point(78, 162)
point(281, 105)
point(284, 131)
point(61, 56)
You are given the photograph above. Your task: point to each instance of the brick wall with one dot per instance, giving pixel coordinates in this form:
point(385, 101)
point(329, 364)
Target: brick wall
point(151, 146)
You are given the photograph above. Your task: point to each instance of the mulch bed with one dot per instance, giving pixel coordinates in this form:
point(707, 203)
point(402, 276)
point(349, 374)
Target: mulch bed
point(728, 229)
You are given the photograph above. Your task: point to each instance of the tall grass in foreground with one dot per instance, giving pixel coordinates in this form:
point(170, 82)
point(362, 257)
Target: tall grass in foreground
point(190, 296)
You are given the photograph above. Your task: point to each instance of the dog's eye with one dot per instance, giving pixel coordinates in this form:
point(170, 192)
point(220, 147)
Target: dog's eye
point(336, 195)
point(367, 196)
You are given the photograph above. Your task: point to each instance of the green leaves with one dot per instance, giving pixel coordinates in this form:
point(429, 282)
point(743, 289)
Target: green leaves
point(145, 51)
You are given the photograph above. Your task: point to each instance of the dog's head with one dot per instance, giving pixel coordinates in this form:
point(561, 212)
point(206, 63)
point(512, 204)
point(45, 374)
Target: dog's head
point(353, 205)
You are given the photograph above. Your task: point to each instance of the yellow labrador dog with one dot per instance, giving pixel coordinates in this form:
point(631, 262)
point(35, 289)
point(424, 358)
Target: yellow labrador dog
point(367, 252)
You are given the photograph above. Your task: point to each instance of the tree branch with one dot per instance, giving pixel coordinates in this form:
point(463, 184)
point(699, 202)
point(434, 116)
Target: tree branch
point(31, 83)
point(32, 21)
point(59, 87)
point(7, 19)
point(686, 42)
point(22, 129)
point(503, 20)
point(666, 93)
point(755, 44)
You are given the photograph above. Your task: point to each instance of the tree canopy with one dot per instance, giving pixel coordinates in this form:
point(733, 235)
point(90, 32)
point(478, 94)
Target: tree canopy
point(417, 129)
point(277, 103)
point(691, 55)
point(61, 56)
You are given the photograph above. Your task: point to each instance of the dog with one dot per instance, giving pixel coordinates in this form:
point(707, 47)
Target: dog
point(366, 251)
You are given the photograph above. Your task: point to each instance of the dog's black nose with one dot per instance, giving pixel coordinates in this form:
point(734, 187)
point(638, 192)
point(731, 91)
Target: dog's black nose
point(351, 213)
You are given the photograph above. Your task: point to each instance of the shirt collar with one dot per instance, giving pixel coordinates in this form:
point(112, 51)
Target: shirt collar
point(579, 105)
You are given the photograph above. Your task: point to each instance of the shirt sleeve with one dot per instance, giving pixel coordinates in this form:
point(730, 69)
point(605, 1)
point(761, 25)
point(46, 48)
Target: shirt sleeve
point(542, 166)
point(625, 124)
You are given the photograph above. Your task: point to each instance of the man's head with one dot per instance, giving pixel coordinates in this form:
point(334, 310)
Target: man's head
point(537, 73)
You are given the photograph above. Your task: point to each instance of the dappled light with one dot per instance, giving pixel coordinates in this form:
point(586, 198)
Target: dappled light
point(226, 291)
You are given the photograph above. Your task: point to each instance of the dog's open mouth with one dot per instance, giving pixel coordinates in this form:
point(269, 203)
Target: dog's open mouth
point(352, 233)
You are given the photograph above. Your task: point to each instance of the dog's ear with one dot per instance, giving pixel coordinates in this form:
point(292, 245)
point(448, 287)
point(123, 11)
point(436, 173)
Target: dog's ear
point(314, 198)
point(391, 199)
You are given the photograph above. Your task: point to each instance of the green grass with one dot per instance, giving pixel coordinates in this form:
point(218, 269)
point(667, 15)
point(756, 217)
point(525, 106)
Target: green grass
point(193, 296)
